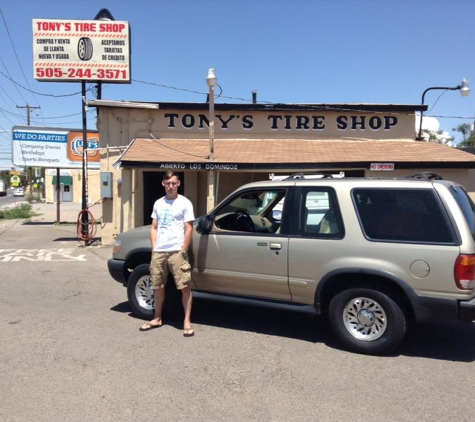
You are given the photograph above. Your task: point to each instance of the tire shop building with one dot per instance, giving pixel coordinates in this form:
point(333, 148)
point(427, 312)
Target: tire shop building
point(251, 142)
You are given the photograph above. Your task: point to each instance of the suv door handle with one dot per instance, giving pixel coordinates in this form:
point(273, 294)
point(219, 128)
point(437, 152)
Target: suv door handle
point(275, 246)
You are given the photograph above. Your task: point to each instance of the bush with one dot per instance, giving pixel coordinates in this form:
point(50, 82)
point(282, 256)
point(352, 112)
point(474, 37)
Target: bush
point(35, 197)
point(20, 211)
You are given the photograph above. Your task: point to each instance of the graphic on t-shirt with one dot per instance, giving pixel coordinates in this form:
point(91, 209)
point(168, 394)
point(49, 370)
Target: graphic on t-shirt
point(166, 218)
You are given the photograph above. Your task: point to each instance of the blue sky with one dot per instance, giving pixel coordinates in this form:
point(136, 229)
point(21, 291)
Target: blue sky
point(292, 51)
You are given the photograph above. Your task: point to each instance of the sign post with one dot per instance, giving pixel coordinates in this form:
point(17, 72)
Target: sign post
point(80, 51)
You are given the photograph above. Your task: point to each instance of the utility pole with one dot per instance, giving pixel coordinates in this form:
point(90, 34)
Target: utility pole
point(28, 110)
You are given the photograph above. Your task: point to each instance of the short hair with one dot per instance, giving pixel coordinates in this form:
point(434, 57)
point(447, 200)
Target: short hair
point(169, 174)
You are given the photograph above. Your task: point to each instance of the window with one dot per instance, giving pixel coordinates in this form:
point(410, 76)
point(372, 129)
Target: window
point(319, 214)
point(252, 211)
point(405, 215)
point(466, 205)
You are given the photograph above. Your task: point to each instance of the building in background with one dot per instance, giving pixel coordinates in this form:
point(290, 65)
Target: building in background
point(140, 141)
point(71, 185)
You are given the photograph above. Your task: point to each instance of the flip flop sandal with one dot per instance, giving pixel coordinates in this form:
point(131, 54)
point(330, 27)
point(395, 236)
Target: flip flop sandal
point(149, 326)
point(188, 332)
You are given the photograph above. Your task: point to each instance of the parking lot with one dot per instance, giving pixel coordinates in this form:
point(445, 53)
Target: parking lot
point(71, 350)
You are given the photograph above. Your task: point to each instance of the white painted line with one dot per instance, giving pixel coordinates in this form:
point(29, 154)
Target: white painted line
point(40, 255)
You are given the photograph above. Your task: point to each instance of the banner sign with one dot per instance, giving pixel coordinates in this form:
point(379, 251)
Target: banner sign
point(53, 148)
point(80, 50)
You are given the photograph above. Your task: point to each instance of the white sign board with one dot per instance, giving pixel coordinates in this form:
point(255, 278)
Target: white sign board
point(58, 148)
point(80, 50)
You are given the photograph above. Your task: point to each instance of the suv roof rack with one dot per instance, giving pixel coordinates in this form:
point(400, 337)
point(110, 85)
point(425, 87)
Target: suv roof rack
point(426, 175)
point(308, 176)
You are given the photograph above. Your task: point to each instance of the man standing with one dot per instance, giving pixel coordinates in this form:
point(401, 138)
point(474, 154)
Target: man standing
point(170, 235)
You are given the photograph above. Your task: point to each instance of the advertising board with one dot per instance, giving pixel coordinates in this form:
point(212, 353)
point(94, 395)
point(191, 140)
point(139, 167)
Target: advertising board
point(80, 50)
point(53, 148)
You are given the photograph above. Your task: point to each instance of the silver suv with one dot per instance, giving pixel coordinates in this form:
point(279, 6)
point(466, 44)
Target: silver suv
point(370, 253)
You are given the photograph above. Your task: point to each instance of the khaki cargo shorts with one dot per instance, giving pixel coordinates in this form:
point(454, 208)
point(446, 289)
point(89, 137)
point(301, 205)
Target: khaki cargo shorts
point(164, 262)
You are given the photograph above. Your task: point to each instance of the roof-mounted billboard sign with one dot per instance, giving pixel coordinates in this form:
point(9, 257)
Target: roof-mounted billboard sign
point(81, 50)
point(54, 147)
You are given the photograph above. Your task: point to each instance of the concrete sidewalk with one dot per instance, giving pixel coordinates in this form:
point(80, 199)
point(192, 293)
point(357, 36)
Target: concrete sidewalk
point(67, 214)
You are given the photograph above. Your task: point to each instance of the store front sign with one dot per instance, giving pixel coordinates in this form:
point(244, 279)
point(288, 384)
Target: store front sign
point(80, 50)
point(198, 166)
point(381, 167)
point(285, 122)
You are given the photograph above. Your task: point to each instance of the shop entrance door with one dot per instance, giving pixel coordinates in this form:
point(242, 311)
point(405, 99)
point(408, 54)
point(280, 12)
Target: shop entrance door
point(66, 193)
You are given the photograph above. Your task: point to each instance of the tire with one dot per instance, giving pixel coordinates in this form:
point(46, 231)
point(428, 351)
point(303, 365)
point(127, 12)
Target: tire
point(367, 321)
point(141, 295)
point(85, 49)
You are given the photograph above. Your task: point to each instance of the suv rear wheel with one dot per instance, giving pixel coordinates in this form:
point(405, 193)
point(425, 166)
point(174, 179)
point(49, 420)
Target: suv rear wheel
point(367, 321)
point(141, 295)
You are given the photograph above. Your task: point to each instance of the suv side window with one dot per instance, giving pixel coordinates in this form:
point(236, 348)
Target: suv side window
point(319, 216)
point(257, 211)
point(466, 205)
point(404, 215)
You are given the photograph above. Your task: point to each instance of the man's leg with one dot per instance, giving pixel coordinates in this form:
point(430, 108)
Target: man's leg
point(181, 270)
point(187, 299)
point(159, 295)
point(158, 273)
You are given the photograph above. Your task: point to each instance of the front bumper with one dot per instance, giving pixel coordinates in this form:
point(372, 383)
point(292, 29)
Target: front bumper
point(117, 270)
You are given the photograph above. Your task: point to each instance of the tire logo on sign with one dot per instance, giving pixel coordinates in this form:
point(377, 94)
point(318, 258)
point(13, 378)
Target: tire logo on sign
point(85, 49)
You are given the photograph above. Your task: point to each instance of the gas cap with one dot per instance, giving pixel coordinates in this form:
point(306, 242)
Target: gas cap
point(420, 268)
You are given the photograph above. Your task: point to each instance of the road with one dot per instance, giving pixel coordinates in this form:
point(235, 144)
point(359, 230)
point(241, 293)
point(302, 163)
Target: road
point(9, 198)
point(71, 351)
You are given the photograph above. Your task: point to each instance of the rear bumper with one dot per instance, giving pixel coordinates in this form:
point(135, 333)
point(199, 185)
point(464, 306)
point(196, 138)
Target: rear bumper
point(467, 311)
point(427, 309)
point(117, 270)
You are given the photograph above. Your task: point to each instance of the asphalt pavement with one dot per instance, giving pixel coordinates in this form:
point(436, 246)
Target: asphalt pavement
point(71, 350)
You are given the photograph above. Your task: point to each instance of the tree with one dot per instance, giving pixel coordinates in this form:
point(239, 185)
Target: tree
point(439, 136)
point(467, 134)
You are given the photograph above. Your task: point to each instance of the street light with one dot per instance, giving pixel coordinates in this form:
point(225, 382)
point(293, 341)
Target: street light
point(464, 91)
point(211, 81)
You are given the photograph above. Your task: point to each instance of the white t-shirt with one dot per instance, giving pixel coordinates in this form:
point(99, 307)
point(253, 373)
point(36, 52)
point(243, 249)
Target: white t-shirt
point(171, 216)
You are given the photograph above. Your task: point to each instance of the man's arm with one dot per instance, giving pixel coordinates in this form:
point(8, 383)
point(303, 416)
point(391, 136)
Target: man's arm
point(153, 233)
point(188, 235)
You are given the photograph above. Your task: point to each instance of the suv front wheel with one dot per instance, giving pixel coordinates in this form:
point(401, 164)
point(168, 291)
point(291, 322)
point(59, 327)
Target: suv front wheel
point(367, 321)
point(141, 295)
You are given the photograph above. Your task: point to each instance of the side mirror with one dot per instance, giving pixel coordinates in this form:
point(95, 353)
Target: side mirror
point(205, 224)
point(277, 215)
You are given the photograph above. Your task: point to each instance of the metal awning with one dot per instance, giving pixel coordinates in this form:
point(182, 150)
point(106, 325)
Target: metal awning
point(63, 180)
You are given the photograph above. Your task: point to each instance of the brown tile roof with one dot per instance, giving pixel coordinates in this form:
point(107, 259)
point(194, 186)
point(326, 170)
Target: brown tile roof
point(268, 151)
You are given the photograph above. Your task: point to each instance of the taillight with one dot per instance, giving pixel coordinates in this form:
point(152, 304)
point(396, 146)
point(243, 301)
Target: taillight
point(464, 272)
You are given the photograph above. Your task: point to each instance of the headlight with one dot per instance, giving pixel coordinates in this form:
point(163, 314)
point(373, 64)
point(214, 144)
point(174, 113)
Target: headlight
point(116, 248)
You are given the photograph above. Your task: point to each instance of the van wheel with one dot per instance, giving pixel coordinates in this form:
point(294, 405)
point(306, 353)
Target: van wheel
point(367, 321)
point(141, 295)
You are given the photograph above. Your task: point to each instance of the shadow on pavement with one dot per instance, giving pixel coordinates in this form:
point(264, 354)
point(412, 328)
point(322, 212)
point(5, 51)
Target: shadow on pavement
point(66, 239)
point(38, 223)
point(442, 340)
